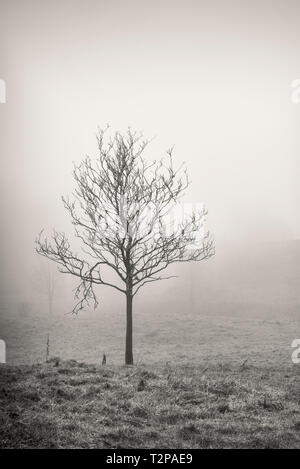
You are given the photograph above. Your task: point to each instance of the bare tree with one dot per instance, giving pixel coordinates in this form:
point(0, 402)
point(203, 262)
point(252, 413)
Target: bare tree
point(122, 214)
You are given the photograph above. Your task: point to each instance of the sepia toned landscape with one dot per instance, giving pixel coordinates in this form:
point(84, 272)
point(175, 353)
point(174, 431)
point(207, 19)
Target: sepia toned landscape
point(150, 236)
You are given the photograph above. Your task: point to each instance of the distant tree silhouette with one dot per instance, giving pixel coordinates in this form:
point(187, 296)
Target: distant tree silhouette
point(121, 212)
point(44, 283)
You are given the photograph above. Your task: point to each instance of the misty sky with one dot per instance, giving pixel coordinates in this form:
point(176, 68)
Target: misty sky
point(213, 78)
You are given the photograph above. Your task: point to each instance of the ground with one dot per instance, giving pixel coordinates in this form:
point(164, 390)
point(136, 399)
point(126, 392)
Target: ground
point(213, 368)
point(68, 404)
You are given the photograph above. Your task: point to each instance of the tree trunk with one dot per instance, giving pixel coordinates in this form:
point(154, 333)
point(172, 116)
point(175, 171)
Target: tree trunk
point(128, 349)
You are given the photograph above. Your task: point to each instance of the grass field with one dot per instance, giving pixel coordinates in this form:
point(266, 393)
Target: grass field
point(188, 388)
point(238, 306)
point(68, 404)
point(219, 333)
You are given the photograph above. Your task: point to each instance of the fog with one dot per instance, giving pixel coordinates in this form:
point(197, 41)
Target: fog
point(212, 78)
